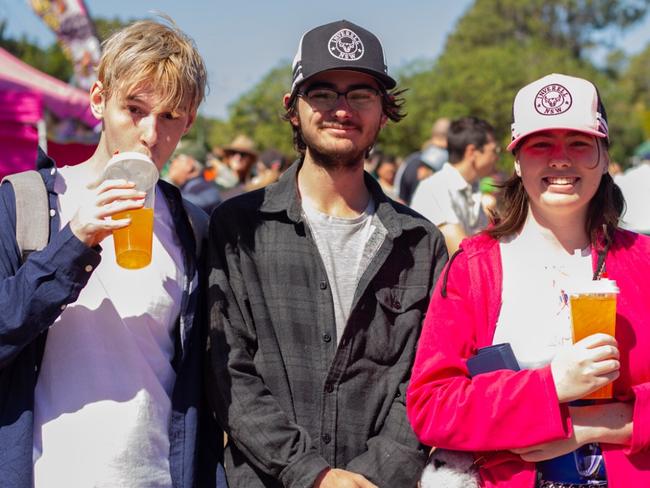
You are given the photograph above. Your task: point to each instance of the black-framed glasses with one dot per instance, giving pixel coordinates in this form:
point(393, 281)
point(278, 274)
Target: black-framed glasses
point(325, 98)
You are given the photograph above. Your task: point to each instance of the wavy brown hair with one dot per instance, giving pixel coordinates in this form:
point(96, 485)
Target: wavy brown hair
point(603, 213)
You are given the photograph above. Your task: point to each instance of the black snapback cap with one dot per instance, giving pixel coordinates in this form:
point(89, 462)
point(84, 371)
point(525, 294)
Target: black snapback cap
point(340, 45)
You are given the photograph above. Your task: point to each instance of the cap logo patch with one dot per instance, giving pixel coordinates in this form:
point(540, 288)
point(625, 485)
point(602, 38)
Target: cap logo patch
point(553, 99)
point(346, 45)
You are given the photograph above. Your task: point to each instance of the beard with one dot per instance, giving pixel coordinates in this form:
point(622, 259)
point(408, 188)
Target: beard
point(337, 158)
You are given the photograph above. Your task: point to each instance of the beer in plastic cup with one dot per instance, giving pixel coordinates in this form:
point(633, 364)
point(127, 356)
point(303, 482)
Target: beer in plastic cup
point(593, 310)
point(133, 243)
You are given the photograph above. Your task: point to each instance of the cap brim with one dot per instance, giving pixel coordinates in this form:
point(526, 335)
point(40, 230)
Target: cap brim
point(519, 138)
point(386, 81)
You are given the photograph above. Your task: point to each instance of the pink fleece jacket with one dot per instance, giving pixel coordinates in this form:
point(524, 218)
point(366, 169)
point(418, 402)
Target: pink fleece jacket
point(502, 410)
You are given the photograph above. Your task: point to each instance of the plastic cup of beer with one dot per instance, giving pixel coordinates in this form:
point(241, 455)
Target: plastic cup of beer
point(593, 310)
point(133, 243)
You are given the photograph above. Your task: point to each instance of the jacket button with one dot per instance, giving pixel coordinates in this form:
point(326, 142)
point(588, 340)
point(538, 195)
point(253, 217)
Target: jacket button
point(327, 338)
point(329, 388)
point(326, 438)
point(396, 304)
point(323, 285)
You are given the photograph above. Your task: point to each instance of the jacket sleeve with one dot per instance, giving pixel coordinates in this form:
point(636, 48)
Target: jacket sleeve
point(251, 416)
point(492, 411)
point(33, 295)
point(394, 456)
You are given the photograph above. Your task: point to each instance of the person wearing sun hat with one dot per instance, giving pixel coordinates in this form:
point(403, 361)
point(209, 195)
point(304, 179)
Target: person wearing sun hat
point(319, 283)
point(558, 227)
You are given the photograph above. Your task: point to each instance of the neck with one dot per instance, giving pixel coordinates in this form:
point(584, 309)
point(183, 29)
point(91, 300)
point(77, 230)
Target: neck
point(337, 191)
point(92, 169)
point(568, 232)
point(467, 171)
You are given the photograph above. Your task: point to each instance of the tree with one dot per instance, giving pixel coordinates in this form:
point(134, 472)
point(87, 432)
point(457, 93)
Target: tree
point(258, 113)
point(499, 46)
point(50, 60)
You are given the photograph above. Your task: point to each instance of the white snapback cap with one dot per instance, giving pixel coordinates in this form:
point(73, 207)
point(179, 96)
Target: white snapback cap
point(558, 101)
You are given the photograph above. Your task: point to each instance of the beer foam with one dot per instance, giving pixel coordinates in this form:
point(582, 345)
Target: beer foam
point(605, 286)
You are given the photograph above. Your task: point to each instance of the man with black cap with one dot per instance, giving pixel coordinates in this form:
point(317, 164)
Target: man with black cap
point(318, 287)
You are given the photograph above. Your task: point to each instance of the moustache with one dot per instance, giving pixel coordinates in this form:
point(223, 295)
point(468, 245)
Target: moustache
point(335, 125)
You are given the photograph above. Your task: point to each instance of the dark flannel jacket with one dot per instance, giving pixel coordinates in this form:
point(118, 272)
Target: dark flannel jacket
point(291, 400)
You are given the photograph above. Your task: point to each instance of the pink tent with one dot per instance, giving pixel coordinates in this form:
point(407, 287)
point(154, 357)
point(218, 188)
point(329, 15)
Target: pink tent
point(20, 112)
point(25, 93)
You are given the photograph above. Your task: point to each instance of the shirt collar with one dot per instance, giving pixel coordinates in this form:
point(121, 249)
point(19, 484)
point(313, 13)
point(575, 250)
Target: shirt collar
point(454, 178)
point(283, 196)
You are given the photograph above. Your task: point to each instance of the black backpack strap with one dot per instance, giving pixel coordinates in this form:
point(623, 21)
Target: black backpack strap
point(32, 211)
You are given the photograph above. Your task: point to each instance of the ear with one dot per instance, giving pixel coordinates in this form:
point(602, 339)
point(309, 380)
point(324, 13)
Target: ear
point(97, 99)
point(470, 150)
point(517, 168)
point(384, 120)
point(294, 120)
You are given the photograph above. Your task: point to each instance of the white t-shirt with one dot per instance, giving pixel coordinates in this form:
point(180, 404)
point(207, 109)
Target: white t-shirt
point(635, 185)
point(535, 317)
point(103, 396)
point(446, 198)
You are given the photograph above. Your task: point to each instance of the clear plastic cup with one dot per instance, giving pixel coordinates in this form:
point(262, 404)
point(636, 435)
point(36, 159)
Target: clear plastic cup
point(133, 243)
point(593, 310)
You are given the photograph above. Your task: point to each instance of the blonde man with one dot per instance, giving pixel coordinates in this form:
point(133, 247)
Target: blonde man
point(99, 366)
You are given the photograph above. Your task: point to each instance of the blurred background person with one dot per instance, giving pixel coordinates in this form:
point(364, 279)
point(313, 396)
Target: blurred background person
point(268, 169)
point(450, 198)
point(385, 172)
point(240, 157)
point(421, 164)
point(635, 185)
point(186, 171)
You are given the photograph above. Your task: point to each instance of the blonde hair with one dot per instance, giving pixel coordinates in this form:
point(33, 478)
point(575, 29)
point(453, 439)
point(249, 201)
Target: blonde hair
point(155, 53)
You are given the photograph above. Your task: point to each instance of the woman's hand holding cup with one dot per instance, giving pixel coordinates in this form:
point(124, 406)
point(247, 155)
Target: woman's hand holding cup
point(587, 365)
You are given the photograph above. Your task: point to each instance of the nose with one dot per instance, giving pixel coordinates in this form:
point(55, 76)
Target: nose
point(149, 130)
point(559, 156)
point(342, 108)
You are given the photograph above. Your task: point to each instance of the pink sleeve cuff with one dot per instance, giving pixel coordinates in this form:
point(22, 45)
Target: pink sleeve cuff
point(640, 420)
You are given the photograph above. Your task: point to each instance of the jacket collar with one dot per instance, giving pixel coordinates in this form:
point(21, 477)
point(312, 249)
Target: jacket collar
point(283, 196)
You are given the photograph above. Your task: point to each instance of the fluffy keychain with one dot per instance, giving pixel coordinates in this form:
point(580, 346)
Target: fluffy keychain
point(450, 469)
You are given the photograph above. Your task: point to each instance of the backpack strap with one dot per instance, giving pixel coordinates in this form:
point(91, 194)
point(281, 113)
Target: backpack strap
point(32, 211)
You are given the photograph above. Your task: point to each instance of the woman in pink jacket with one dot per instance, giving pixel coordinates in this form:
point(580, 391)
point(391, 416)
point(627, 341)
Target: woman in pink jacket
point(559, 225)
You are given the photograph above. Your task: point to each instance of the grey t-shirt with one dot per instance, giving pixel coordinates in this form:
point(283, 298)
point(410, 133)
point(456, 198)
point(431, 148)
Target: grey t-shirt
point(346, 246)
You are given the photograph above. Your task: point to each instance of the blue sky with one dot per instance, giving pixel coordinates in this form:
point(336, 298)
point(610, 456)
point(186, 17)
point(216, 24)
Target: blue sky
point(241, 40)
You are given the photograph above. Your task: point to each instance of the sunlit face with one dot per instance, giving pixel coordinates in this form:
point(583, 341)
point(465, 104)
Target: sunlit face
point(386, 172)
point(240, 162)
point(340, 136)
point(133, 122)
point(561, 171)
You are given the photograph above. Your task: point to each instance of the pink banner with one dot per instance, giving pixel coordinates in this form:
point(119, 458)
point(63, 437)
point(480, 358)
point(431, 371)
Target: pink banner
point(75, 31)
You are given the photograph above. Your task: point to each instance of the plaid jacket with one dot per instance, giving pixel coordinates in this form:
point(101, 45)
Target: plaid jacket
point(291, 400)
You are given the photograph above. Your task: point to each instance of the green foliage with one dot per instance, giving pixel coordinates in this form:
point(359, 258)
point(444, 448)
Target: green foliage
point(499, 46)
point(50, 60)
point(105, 27)
point(571, 25)
point(258, 114)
